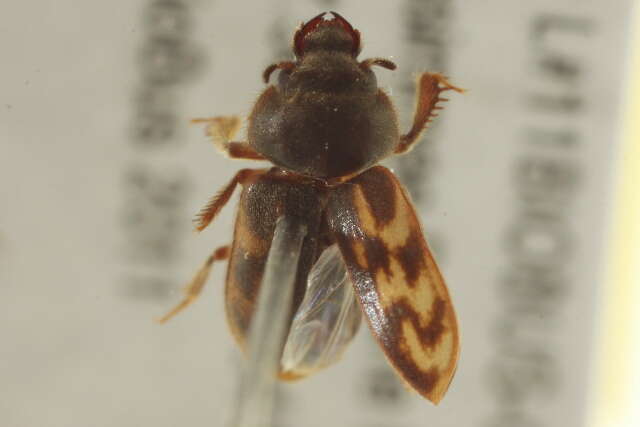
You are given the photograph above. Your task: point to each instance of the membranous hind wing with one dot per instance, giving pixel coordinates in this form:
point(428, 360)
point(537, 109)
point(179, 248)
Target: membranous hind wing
point(326, 321)
point(396, 279)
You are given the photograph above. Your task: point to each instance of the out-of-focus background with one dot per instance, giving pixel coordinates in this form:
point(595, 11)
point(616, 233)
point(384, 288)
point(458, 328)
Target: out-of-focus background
point(527, 187)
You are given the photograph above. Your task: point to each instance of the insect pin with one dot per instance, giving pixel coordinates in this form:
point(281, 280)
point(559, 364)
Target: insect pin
point(324, 125)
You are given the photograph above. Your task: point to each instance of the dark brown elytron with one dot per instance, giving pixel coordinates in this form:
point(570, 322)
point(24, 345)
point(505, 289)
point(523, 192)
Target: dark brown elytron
point(324, 125)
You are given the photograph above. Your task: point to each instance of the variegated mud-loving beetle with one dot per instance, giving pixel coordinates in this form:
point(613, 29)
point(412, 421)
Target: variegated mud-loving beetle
point(324, 125)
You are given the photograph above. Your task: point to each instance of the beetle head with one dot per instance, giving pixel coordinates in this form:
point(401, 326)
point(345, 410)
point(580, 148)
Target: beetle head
point(322, 34)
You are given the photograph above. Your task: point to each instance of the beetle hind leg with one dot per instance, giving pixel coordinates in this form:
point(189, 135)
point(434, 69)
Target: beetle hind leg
point(194, 287)
point(430, 86)
point(221, 130)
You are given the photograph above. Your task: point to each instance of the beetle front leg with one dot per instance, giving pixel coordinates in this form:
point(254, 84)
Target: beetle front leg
point(430, 86)
point(194, 287)
point(221, 130)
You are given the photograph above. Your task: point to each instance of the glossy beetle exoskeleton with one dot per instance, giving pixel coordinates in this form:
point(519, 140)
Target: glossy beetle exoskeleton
point(325, 125)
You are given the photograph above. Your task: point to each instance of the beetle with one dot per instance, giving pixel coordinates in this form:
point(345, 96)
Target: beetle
point(325, 125)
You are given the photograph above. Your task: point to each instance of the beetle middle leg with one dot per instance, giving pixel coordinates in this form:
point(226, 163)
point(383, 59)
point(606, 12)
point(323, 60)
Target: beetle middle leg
point(221, 130)
point(194, 287)
point(209, 212)
point(430, 86)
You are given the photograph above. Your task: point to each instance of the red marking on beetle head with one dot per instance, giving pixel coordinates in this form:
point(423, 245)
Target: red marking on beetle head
point(322, 34)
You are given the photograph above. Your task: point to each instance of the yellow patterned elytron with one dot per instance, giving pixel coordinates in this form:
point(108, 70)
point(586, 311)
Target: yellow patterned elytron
point(400, 288)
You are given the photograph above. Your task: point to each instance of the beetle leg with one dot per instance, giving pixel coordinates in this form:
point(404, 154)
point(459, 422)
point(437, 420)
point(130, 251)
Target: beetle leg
point(211, 209)
point(242, 150)
point(221, 130)
point(194, 287)
point(430, 86)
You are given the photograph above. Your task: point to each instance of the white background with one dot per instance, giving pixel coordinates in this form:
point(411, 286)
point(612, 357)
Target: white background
point(79, 345)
